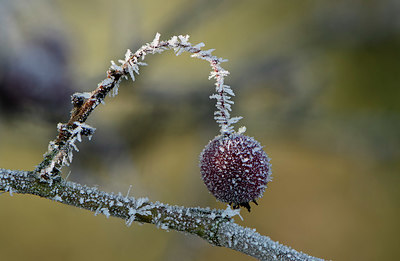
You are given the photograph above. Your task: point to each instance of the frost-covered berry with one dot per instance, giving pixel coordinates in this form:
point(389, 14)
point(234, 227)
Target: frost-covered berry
point(235, 169)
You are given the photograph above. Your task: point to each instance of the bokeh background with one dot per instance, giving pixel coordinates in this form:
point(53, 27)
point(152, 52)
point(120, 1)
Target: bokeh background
point(316, 81)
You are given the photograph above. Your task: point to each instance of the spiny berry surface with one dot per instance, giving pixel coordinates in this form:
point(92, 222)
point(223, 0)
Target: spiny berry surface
point(235, 169)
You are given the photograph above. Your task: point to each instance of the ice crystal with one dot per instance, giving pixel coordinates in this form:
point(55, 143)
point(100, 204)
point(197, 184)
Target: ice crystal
point(229, 212)
point(130, 70)
point(105, 212)
point(116, 67)
point(107, 81)
point(184, 39)
point(57, 198)
point(82, 95)
point(10, 190)
point(129, 190)
point(128, 55)
point(156, 40)
point(199, 46)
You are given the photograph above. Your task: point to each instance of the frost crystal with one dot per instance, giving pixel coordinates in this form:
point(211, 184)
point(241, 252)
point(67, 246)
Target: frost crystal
point(156, 40)
point(57, 198)
point(229, 212)
point(107, 81)
point(184, 39)
point(128, 55)
point(130, 70)
point(81, 96)
point(115, 67)
point(199, 46)
point(106, 212)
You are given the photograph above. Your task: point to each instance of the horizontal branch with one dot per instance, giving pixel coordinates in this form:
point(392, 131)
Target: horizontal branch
point(215, 226)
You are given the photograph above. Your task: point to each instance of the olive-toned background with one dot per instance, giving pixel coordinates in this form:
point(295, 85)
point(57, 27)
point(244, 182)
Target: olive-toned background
point(317, 83)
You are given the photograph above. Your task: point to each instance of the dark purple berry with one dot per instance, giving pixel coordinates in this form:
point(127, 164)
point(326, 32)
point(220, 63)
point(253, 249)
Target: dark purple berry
point(235, 169)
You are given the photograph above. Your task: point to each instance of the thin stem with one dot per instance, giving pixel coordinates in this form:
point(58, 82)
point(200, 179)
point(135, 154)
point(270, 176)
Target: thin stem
point(60, 150)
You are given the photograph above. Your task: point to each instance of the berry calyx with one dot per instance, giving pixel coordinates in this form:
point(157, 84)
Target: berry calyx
point(235, 169)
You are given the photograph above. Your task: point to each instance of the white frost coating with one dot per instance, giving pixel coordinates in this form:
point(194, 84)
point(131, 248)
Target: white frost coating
point(128, 55)
point(57, 198)
point(207, 52)
point(243, 130)
point(140, 202)
point(250, 242)
point(135, 68)
point(229, 212)
point(106, 212)
point(76, 135)
point(84, 95)
point(97, 210)
point(131, 213)
point(173, 41)
point(129, 190)
point(130, 66)
point(138, 208)
point(227, 234)
point(179, 51)
point(145, 210)
point(199, 46)
point(114, 91)
point(130, 70)
point(163, 226)
point(116, 67)
point(107, 81)
point(184, 39)
point(156, 40)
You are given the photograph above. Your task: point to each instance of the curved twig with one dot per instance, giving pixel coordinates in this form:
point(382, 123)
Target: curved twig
point(60, 150)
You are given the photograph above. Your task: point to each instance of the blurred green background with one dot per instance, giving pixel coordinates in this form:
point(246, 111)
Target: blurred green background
point(317, 83)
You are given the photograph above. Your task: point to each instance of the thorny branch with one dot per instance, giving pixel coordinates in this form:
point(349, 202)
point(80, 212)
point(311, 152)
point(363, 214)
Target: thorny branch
point(215, 226)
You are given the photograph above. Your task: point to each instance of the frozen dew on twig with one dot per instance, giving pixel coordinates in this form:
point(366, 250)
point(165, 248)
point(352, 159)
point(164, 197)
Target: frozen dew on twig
point(85, 103)
point(130, 66)
point(229, 212)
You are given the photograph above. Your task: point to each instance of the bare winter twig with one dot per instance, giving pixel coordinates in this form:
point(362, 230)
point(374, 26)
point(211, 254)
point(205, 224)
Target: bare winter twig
point(60, 150)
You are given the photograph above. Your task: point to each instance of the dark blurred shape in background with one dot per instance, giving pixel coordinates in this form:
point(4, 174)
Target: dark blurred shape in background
point(316, 81)
point(34, 69)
